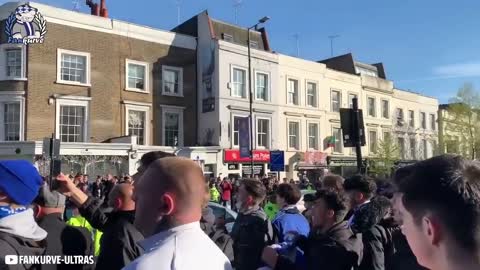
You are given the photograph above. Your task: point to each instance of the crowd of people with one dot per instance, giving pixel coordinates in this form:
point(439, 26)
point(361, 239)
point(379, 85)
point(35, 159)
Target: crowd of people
point(427, 216)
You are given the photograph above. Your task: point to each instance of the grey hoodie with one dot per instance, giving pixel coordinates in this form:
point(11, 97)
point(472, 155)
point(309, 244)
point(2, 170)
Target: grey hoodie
point(20, 235)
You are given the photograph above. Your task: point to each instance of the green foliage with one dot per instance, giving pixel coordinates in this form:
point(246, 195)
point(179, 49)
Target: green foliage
point(388, 152)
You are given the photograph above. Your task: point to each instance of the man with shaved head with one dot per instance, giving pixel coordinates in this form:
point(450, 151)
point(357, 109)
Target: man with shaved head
point(118, 246)
point(169, 198)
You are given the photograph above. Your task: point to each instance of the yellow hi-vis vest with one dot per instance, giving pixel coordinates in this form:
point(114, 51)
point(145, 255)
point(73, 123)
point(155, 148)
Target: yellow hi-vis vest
point(79, 221)
point(214, 194)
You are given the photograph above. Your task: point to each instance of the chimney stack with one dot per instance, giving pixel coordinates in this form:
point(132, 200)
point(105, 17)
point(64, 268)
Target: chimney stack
point(103, 9)
point(94, 8)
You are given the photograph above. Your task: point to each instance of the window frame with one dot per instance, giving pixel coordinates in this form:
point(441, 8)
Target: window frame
point(146, 79)
point(178, 110)
point(267, 86)
point(350, 104)
point(140, 108)
point(413, 152)
point(433, 122)
point(73, 101)
point(424, 127)
point(269, 134)
point(180, 81)
point(232, 129)
point(340, 140)
point(296, 93)
point(315, 96)
point(88, 67)
point(12, 97)
point(339, 100)
point(232, 88)
point(3, 57)
point(308, 135)
point(382, 109)
point(374, 106)
point(411, 119)
point(298, 136)
point(375, 144)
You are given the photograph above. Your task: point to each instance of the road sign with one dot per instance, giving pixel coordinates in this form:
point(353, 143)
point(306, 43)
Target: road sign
point(277, 161)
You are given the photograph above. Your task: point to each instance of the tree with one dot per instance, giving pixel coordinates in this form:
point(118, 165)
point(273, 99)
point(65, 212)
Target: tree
point(462, 129)
point(387, 154)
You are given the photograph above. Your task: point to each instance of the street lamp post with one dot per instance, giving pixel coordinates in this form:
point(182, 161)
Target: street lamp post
point(262, 20)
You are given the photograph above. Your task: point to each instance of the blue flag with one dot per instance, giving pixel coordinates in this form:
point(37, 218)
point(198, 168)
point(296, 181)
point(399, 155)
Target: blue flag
point(244, 136)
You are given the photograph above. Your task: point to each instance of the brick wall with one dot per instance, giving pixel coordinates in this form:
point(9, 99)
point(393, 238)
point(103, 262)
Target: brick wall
point(108, 56)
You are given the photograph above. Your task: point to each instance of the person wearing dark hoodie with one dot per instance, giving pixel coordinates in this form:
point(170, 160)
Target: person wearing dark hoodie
point(119, 244)
point(331, 244)
point(365, 219)
point(62, 239)
point(19, 233)
point(250, 227)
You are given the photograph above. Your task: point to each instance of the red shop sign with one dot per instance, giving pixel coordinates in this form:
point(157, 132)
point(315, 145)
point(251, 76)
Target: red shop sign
point(233, 155)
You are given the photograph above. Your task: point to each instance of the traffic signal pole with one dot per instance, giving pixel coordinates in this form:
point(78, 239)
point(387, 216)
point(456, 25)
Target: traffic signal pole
point(357, 135)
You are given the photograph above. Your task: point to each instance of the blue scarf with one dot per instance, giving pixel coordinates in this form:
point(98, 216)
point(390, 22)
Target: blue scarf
point(6, 211)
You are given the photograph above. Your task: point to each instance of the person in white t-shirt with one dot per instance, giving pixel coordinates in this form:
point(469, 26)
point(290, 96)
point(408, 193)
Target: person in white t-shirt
point(169, 199)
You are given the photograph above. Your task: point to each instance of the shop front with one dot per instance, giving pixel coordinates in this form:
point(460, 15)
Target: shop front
point(242, 167)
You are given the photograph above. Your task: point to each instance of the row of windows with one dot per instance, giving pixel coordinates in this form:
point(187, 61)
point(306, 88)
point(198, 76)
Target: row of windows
point(432, 124)
point(73, 119)
point(239, 84)
point(74, 68)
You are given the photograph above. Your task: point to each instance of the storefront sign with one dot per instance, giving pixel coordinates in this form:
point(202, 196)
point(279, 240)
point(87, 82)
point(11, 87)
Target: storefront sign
point(343, 162)
point(257, 169)
point(233, 167)
point(233, 156)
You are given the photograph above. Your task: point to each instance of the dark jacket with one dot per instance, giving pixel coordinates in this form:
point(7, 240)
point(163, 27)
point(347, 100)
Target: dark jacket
point(65, 240)
point(15, 245)
point(377, 242)
point(338, 249)
point(118, 246)
point(248, 234)
point(402, 257)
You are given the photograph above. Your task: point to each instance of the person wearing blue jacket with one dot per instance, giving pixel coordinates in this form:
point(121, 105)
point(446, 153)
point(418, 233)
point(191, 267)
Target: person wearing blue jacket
point(289, 218)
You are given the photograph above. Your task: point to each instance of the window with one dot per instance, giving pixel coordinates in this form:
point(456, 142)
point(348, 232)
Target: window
point(400, 116)
point(13, 59)
point(311, 94)
point(294, 135)
point(292, 92)
point(413, 148)
point(453, 146)
point(137, 76)
point(172, 126)
point(433, 122)
point(411, 118)
point(14, 62)
point(172, 81)
point(371, 107)
point(236, 128)
point(385, 109)
point(73, 67)
point(423, 118)
point(262, 86)
point(372, 141)
point(336, 100)
point(11, 119)
point(366, 71)
point(401, 146)
point(138, 119)
point(350, 100)
point(313, 136)
point(239, 83)
point(263, 133)
point(387, 135)
point(72, 119)
point(337, 135)
point(425, 149)
point(227, 37)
